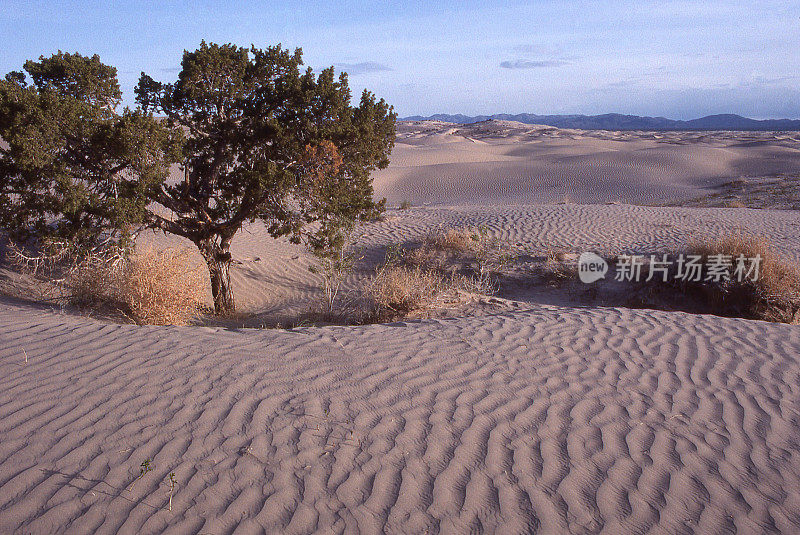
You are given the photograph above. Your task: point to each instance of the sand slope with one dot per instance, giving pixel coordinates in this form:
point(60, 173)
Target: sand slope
point(547, 421)
point(505, 161)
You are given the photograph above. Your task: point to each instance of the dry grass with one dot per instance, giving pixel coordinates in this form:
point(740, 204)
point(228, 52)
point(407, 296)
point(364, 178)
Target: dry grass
point(162, 287)
point(459, 240)
point(154, 287)
point(487, 253)
point(555, 269)
point(91, 283)
point(449, 267)
point(397, 291)
point(773, 296)
point(432, 276)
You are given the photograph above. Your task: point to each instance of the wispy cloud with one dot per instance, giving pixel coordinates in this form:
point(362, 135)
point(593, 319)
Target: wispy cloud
point(531, 64)
point(364, 67)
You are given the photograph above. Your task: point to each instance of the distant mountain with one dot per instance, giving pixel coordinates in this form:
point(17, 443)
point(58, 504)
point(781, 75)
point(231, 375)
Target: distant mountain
point(616, 121)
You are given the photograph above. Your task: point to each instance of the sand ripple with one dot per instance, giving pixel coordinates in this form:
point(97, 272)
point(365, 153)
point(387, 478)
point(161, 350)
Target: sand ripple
point(553, 420)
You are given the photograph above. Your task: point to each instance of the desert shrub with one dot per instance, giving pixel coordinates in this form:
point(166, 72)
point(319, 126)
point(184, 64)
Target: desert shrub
point(486, 253)
point(405, 205)
point(413, 280)
point(555, 269)
point(150, 286)
point(773, 296)
point(91, 283)
point(160, 287)
point(334, 264)
point(459, 240)
point(396, 291)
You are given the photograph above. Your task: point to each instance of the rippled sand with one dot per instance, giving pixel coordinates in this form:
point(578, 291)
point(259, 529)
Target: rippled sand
point(533, 419)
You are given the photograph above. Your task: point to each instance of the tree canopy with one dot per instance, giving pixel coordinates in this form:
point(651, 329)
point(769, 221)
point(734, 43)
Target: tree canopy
point(72, 168)
point(257, 138)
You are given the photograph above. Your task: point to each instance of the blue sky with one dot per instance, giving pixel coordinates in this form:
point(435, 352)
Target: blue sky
point(679, 59)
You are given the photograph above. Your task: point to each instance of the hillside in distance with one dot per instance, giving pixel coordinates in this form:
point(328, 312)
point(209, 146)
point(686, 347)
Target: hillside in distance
point(616, 121)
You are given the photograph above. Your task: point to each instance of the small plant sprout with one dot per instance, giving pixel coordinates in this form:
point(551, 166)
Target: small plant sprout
point(172, 484)
point(143, 469)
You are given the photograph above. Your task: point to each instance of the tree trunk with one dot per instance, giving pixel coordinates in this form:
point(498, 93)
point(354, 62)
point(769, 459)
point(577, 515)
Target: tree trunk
point(218, 259)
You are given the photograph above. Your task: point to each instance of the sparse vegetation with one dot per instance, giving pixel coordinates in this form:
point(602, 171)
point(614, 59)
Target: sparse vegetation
point(144, 468)
point(481, 255)
point(399, 290)
point(157, 287)
point(334, 263)
point(160, 287)
point(438, 272)
point(172, 484)
point(405, 205)
point(773, 296)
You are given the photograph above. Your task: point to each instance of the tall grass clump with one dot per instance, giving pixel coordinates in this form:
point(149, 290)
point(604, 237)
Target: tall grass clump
point(773, 296)
point(161, 287)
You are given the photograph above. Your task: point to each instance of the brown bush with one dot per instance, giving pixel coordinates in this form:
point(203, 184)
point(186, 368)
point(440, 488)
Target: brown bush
point(151, 287)
point(462, 240)
point(91, 283)
point(398, 290)
point(161, 287)
point(774, 296)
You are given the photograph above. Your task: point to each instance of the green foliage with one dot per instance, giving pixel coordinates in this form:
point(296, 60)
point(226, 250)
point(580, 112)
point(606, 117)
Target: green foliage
point(74, 169)
point(144, 468)
point(267, 141)
point(252, 116)
point(258, 139)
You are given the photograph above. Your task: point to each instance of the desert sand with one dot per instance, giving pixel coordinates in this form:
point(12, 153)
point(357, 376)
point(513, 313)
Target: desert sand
point(533, 413)
point(504, 161)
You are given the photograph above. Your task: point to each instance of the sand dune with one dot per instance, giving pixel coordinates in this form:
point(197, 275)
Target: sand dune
point(524, 418)
point(547, 421)
point(503, 161)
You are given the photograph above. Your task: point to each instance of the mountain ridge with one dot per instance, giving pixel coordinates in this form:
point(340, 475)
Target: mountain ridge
point(617, 121)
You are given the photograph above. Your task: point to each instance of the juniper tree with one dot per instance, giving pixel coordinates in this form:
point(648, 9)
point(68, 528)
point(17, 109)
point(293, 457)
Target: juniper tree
point(258, 131)
point(72, 169)
point(256, 138)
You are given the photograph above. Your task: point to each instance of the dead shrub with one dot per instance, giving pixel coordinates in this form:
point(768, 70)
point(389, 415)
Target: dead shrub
point(415, 280)
point(461, 240)
point(91, 283)
point(485, 254)
point(773, 296)
point(160, 287)
point(396, 291)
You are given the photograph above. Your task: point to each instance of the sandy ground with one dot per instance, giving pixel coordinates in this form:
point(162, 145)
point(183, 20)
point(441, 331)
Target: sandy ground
point(540, 415)
point(504, 161)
